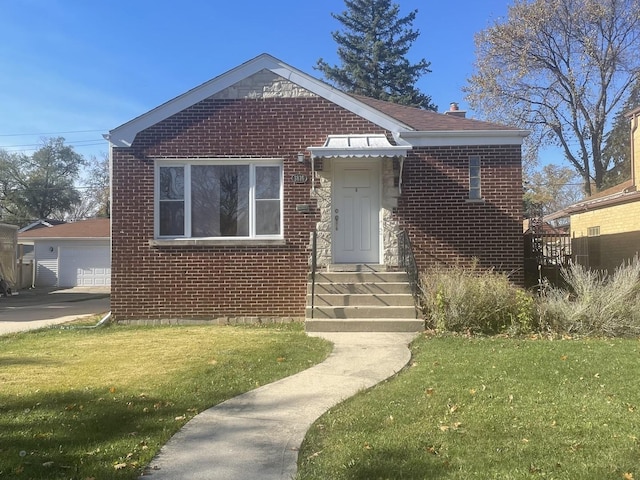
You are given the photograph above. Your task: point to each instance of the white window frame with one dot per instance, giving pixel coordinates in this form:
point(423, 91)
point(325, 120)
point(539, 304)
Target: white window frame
point(186, 164)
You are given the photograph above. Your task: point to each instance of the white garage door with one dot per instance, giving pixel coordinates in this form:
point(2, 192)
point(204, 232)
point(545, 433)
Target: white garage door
point(84, 266)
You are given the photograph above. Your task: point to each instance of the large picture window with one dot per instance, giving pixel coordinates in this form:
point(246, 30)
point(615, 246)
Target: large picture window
point(219, 199)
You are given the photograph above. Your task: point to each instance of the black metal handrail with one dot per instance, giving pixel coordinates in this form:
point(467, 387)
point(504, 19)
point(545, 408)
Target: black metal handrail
point(407, 261)
point(314, 250)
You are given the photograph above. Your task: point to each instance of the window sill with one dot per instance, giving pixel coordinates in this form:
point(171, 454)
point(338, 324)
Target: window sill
point(475, 200)
point(206, 242)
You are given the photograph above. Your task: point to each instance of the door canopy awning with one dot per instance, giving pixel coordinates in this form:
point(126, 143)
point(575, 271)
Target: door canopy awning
point(368, 145)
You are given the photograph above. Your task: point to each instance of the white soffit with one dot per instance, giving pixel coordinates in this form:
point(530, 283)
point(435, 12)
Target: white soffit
point(358, 145)
point(463, 137)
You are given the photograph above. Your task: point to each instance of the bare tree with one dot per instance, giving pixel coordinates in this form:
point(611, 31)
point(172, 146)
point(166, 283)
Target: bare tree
point(551, 189)
point(94, 192)
point(559, 68)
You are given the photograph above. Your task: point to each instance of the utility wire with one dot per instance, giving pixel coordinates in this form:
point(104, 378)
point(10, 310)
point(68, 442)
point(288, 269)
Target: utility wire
point(48, 133)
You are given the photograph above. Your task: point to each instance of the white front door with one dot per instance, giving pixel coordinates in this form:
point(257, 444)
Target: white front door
point(356, 211)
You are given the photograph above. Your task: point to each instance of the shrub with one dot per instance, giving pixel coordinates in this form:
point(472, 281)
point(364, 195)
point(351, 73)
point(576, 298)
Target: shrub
point(472, 300)
point(595, 303)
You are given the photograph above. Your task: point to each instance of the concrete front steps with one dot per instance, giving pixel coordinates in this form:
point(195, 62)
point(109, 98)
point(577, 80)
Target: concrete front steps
point(361, 298)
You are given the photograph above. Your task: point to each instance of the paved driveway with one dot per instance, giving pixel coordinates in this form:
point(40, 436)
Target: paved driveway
point(40, 307)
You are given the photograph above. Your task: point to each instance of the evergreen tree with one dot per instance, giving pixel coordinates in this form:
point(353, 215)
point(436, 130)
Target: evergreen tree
point(616, 153)
point(373, 49)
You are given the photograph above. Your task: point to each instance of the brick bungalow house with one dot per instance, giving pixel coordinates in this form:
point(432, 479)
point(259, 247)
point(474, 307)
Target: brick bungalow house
point(216, 194)
point(605, 227)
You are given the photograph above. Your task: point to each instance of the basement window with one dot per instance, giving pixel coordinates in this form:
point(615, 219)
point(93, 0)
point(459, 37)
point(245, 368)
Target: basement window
point(219, 199)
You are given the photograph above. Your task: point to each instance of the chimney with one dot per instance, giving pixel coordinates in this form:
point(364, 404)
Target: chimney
point(455, 111)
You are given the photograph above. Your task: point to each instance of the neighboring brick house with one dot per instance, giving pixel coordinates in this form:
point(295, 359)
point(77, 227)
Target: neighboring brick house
point(605, 227)
point(216, 193)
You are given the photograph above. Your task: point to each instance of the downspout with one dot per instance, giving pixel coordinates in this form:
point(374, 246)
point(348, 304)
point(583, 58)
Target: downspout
point(105, 320)
point(634, 127)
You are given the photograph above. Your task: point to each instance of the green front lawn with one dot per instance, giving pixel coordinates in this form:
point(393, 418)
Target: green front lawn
point(98, 404)
point(490, 408)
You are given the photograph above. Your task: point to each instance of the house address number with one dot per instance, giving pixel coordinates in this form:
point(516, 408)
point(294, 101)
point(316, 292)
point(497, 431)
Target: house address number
point(299, 178)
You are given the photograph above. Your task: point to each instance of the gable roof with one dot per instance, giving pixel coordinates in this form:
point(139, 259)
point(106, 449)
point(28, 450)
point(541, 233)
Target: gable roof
point(42, 223)
point(409, 126)
point(95, 228)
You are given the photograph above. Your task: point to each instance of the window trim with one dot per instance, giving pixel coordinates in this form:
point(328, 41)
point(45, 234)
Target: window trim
point(187, 239)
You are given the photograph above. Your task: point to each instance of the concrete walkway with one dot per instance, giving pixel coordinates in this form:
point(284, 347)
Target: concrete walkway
point(257, 435)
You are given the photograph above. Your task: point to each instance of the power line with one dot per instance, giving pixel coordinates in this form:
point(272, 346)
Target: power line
point(48, 133)
point(34, 147)
point(79, 143)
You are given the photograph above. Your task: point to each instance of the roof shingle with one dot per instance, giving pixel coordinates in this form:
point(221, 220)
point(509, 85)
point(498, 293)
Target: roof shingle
point(428, 121)
point(93, 228)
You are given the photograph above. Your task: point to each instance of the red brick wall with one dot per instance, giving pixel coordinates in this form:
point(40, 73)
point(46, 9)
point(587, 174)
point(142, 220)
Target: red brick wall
point(445, 228)
point(214, 281)
point(204, 282)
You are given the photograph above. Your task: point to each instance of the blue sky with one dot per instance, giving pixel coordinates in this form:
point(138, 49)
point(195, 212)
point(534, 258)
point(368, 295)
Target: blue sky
point(78, 68)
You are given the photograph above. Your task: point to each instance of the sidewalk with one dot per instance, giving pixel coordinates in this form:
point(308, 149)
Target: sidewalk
point(257, 435)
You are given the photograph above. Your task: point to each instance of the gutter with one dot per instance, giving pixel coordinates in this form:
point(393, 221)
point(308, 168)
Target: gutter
point(624, 196)
point(634, 127)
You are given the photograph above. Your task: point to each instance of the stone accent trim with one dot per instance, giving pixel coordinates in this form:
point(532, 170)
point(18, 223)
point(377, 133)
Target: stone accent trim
point(264, 84)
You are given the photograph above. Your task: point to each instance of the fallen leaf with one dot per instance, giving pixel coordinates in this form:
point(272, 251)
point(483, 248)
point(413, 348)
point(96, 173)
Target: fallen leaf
point(314, 455)
point(563, 357)
point(120, 466)
point(628, 476)
point(429, 391)
point(444, 428)
point(112, 390)
point(47, 464)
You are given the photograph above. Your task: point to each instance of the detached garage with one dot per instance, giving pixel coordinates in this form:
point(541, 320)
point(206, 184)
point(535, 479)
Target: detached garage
point(76, 254)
